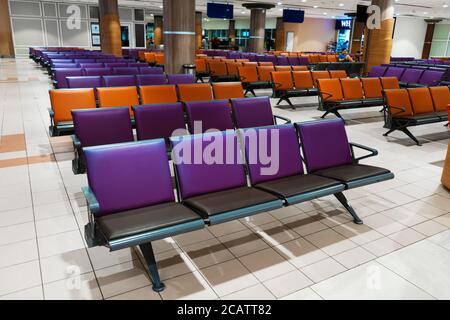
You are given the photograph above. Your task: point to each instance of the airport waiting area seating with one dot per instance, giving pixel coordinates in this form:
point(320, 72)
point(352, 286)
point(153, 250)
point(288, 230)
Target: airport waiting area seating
point(405, 108)
point(352, 93)
point(134, 205)
point(166, 120)
point(410, 76)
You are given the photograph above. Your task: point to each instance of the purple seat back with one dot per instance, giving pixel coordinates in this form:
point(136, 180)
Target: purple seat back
point(377, 71)
point(252, 112)
point(282, 61)
point(181, 78)
point(102, 126)
point(84, 82)
point(159, 121)
point(411, 75)
point(98, 72)
point(57, 61)
point(65, 66)
point(324, 144)
point(115, 64)
point(394, 72)
point(278, 142)
point(91, 65)
point(136, 64)
point(84, 60)
point(431, 78)
point(126, 71)
point(61, 74)
point(204, 175)
point(294, 61)
point(129, 176)
point(212, 114)
point(119, 81)
point(303, 61)
point(151, 70)
point(151, 79)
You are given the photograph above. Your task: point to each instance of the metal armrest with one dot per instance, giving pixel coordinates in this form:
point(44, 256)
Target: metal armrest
point(76, 142)
point(373, 152)
point(282, 118)
point(400, 109)
point(91, 200)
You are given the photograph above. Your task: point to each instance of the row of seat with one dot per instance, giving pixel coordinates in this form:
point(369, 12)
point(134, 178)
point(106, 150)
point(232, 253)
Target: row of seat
point(131, 200)
point(63, 64)
point(415, 106)
point(60, 75)
point(288, 84)
point(154, 58)
point(65, 100)
point(338, 94)
point(113, 125)
point(129, 80)
point(410, 77)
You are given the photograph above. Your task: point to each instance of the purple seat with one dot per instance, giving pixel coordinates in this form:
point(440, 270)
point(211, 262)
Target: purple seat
point(294, 61)
point(91, 65)
point(271, 58)
point(377, 72)
point(65, 66)
point(151, 70)
point(115, 64)
point(332, 158)
point(209, 115)
point(303, 61)
point(431, 78)
point(119, 81)
point(226, 196)
point(252, 112)
point(84, 82)
point(84, 60)
point(394, 72)
point(98, 72)
point(126, 71)
point(94, 127)
point(61, 74)
point(136, 64)
point(282, 61)
point(411, 76)
point(159, 121)
point(151, 79)
point(55, 61)
point(180, 78)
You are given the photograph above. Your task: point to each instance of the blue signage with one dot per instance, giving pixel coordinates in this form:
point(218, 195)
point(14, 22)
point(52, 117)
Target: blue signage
point(344, 24)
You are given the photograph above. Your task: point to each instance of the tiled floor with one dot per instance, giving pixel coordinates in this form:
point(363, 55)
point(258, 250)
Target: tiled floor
point(309, 251)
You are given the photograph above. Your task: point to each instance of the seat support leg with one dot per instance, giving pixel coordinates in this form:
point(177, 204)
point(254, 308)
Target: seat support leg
point(253, 92)
point(389, 132)
point(343, 200)
point(279, 101)
point(325, 114)
point(409, 134)
point(147, 252)
point(290, 103)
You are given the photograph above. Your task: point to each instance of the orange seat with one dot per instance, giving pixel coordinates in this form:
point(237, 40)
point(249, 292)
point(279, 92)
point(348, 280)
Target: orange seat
point(159, 59)
point(118, 97)
point(330, 89)
point(158, 94)
point(141, 55)
point(217, 68)
point(441, 98)
point(372, 87)
point(282, 80)
point(63, 101)
point(390, 83)
point(338, 74)
point(421, 100)
point(300, 68)
point(283, 68)
point(228, 90)
point(352, 89)
point(150, 57)
point(265, 64)
point(264, 73)
point(323, 58)
point(200, 65)
point(195, 92)
point(331, 58)
point(398, 102)
point(316, 75)
point(248, 74)
point(250, 64)
point(302, 80)
point(232, 68)
point(242, 60)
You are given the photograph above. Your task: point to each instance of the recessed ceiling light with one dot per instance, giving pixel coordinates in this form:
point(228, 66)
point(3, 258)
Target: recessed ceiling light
point(445, 5)
point(315, 7)
point(341, 4)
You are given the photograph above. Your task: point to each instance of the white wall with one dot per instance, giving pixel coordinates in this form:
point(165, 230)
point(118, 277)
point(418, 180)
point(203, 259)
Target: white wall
point(409, 37)
point(312, 35)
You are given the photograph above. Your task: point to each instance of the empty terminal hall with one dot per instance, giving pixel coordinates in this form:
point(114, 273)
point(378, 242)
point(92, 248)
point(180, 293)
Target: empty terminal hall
point(224, 150)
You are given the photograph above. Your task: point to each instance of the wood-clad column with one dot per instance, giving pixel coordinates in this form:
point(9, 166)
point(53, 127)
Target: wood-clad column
point(358, 31)
point(198, 30)
point(179, 34)
point(257, 29)
point(232, 33)
point(6, 40)
point(428, 38)
point(379, 41)
point(111, 41)
point(158, 30)
point(280, 35)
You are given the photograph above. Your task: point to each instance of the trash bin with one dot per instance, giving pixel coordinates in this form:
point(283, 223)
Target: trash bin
point(189, 69)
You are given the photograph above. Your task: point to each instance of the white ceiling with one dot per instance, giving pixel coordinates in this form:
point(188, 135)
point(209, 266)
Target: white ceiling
point(313, 8)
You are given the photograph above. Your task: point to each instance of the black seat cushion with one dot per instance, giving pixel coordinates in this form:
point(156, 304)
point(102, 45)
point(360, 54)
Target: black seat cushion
point(296, 185)
point(262, 84)
point(443, 115)
point(228, 200)
point(137, 221)
point(373, 102)
point(351, 172)
point(419, 119)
